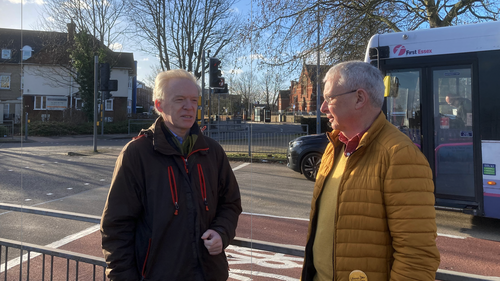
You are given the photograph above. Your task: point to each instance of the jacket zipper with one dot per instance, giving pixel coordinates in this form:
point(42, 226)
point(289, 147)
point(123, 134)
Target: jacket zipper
point(173, 185)
point(337, 211)
point(173, 189)
point(186, 159)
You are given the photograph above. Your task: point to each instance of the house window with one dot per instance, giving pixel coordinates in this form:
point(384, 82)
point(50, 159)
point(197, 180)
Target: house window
point(78, 103)
point(6, 54)
point(26, 51)
point(4, 80)
point(108, 105)
point(45, 117)
point(108, 119)
point(40, 102)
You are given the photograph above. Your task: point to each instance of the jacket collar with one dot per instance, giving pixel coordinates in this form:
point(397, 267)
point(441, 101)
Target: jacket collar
point(161, 144)
point(367, 137)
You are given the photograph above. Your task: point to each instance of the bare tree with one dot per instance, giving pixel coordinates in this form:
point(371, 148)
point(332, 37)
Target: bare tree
point(178, 31)
point(270, 83)
point(287, 29)
point(102, 19)
point(244, 84)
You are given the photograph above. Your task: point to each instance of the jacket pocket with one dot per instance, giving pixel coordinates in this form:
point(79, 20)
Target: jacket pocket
point(143, 273)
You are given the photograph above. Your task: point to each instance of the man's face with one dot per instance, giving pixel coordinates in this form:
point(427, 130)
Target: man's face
point(178, 108)
point(340, 106)
point(452, 101)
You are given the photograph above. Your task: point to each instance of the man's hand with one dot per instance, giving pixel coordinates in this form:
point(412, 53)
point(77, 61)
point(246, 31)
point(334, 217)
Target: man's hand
point(213, 242)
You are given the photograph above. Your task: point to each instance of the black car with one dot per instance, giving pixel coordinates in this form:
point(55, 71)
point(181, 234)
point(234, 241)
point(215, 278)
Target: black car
point(304, 154)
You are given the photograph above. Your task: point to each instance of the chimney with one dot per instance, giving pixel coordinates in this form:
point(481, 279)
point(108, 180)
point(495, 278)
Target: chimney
point(71, 31)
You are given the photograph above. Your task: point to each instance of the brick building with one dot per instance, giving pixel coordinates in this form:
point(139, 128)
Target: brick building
point(302, 93)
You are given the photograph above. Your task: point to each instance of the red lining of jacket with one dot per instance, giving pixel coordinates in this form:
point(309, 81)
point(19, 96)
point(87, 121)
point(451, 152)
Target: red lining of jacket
point(146, 260)
point(203, 186)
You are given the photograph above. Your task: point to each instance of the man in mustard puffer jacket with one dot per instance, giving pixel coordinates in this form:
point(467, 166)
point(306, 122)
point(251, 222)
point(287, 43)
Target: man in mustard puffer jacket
point(372, 213)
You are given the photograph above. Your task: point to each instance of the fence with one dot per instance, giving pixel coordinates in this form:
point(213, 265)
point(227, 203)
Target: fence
point(443, 275)
point(236, 136)
point(241, 139)
point(7, 129)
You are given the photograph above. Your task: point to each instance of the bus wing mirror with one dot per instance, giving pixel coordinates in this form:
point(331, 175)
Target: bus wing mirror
point(391, 86)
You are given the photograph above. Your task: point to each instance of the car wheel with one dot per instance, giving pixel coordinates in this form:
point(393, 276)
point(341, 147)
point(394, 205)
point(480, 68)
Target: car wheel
point(310, 165)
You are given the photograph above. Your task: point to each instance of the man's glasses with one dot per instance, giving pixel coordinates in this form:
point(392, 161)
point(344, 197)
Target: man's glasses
point(330, 99)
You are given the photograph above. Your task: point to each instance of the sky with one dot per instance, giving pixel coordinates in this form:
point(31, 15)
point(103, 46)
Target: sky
point(15, 15)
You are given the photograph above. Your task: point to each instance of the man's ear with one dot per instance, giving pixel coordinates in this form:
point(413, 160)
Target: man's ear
point(362, 99)
point(158, 106)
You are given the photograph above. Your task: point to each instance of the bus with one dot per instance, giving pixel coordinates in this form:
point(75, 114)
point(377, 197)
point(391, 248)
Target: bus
point(444, 94)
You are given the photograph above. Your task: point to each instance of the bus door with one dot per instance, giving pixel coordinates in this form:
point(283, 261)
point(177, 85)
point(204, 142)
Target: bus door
point(439, 123)
point(453, 141)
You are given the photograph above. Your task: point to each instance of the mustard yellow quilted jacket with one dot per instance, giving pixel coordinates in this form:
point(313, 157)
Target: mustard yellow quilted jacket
point(385, 222)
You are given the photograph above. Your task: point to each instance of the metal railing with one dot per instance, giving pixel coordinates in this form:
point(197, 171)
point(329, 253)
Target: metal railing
point(53, 263)
point(33, 267)
point(236, 137)
point(245, 141)
point(7, 129)
point(442, 275)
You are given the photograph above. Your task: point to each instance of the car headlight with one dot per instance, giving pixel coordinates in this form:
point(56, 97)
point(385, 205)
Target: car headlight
point(295, 143)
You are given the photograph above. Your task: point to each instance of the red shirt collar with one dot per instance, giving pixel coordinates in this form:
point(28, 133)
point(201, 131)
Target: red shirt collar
point(351, 144)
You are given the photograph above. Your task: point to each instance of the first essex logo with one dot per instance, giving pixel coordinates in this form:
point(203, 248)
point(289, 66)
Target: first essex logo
point(400, 50)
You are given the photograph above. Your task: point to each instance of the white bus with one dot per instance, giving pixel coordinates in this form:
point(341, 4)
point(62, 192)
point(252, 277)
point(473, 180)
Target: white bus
point(446, 97)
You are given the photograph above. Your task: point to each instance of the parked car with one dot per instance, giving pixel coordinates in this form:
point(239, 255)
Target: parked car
point(304, 154)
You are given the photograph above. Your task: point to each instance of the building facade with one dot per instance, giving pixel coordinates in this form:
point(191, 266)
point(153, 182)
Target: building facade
point(301, 97)
point(37, 78)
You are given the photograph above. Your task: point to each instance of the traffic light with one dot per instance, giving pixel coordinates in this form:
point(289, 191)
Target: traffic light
point(216, 81)
point(104, 69)
point(106, 84)
point(222, 90)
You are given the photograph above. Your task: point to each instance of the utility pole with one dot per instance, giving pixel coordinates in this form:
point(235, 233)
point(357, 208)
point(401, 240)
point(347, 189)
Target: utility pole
point(203, 89)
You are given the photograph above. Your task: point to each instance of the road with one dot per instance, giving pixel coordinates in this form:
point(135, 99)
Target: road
point(276, 203)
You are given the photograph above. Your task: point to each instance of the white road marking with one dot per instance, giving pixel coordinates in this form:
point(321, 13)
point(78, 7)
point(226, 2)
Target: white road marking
point(272, 216)
point(451, 236)
point(257, 273)
point(56, 244)
point(242, 255)
point(86, 183)
point(241, 166)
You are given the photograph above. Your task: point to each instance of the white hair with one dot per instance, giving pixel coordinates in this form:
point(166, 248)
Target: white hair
point(354, 75)
point(163, 78)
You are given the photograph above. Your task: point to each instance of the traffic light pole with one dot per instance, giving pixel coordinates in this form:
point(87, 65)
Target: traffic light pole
point(96, 62)
point(103, 93)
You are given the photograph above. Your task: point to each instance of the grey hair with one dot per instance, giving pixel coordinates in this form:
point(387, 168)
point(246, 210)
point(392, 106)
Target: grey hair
point(354, 75)
point(162, 79)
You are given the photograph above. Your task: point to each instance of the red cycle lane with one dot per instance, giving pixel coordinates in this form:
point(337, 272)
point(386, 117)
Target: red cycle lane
point(469, 255)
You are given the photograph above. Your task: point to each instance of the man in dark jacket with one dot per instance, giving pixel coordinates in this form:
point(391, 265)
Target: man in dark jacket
point(174, 202)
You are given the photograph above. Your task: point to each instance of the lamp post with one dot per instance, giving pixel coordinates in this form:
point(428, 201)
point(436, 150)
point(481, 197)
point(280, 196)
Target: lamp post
point(318, 90)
